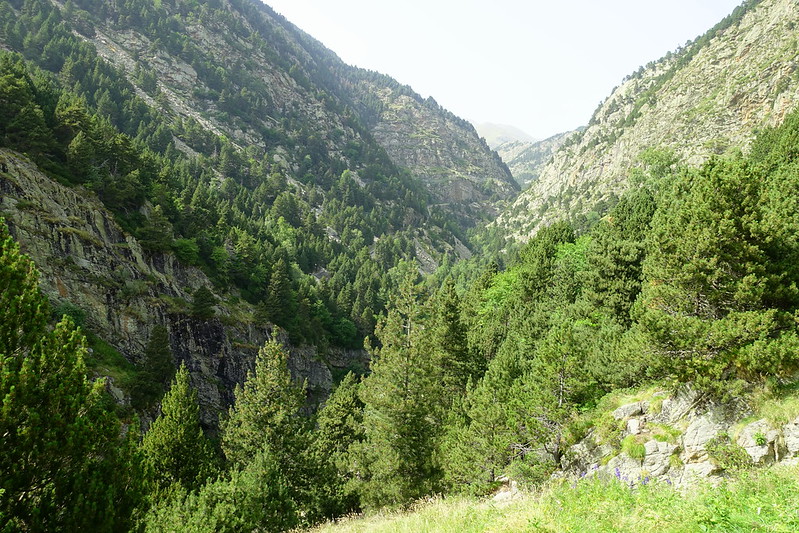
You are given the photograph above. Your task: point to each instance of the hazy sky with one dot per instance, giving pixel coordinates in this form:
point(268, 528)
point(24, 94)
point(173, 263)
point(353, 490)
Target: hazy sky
point(540, 66)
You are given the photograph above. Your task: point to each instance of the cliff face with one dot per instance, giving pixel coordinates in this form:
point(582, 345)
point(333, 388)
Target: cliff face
point(701, 101)
point(86, 259)
point(444, 152)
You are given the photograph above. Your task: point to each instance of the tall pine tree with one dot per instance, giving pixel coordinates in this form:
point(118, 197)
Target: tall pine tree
point(175, 448)
point(64, 463)
point(402, 398)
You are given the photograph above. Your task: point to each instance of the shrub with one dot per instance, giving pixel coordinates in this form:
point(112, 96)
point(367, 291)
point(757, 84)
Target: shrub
point(727, 454)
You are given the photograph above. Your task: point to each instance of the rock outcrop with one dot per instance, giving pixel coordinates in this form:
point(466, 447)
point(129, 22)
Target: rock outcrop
point(682, 440)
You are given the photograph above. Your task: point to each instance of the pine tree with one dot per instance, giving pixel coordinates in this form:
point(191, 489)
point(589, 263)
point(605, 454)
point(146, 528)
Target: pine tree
point(175, 448)
point(714, 303)
point(265, 421)
point(64, 464)
point(340, 427)
point(156, 234)
point(202, 305)
point(265, 413)
point(460, 364)
point(254, 498)
point(156, 371)
point(615, 256)
point(403, 399)
point(480, 433)
point(280, 301)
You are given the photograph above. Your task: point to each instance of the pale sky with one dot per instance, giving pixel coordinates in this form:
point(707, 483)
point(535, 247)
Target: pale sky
point(540, 66)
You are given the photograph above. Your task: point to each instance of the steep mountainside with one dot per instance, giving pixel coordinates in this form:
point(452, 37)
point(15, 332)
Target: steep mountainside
point(240, 154)
point(296, 87)
point(526, 159)
point(463, 174)
point(86, 259)
point(706, 98)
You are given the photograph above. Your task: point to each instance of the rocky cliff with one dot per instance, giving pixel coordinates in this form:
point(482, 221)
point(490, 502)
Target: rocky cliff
point(445, 152)
point(87, 260)
point(702, 100)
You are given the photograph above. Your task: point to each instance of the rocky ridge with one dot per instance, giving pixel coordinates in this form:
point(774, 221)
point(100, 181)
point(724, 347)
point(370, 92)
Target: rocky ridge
point(86, 259)
point(705, 99)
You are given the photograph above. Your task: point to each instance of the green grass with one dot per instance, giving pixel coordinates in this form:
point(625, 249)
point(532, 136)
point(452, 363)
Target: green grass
point(778, 407)
point(105, 360)
point(757, 501)
point(632, 447)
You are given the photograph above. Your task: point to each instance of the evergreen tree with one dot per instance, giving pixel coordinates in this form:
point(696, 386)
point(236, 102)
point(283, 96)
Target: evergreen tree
point(175, 448)
point(615, 256)
point(546, 397)
point(156, 234)
point(460, 364)
point(255, 498)
point(156, 370)
point(402, 398)
point(714, 303)
point(265, 420)
point(265, 413)
point(340, 427)
point(479, 438)
point(280, 304)
point(202, 305)
point(64, 464)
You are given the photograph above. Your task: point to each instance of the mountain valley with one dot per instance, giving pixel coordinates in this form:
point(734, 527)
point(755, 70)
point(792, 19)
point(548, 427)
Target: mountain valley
point(245, 286)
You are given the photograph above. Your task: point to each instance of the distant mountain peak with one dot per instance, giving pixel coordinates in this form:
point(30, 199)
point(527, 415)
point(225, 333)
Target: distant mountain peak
point(499, 134)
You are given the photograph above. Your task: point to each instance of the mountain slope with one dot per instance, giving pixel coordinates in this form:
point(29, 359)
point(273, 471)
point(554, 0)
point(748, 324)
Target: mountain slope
point(288, 84)
point(526, 159)
point(239, 154)
point(702, 100)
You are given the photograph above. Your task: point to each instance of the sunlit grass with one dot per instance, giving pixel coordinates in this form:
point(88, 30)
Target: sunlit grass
point(757, 501)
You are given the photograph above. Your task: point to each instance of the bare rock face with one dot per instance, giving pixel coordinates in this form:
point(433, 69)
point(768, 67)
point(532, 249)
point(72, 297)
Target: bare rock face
point(85, 258)
point(445, 152)
point(790, 434)
point(700, 431)
point(761, 442)
point(658, 457)
point(701, 101)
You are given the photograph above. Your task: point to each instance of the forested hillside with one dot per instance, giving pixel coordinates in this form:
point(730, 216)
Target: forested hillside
point(691, 278)
point(219, 132)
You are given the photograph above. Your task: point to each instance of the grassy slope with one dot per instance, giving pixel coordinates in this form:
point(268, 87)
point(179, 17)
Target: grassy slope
point(758, 500)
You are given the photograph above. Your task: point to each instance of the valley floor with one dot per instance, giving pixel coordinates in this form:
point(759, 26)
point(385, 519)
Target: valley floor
point(755, 500)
